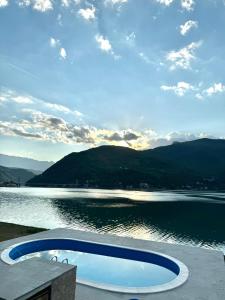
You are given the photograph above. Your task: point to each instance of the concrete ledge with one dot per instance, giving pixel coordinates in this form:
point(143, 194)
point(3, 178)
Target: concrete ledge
point(29, 277)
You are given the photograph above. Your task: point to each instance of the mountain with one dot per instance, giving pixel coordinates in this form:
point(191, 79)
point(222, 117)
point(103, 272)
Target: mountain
point(194, 164)
point(205, 157)
point(15, 175)
point(24, 163)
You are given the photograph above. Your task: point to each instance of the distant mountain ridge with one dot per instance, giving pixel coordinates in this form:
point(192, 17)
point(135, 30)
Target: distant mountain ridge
point(16, 175)
point(24, 163)
point(195, 164)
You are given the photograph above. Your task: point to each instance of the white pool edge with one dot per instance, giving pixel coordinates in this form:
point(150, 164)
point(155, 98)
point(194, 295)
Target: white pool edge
point(176, 282)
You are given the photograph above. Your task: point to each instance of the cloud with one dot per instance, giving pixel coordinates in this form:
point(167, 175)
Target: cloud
point(47, 127)
point(54, 42)
point(126, 135)
point(24, 3)
point(173, 137)
point(65, 3)
point(59, 19)
point(185, 4)
point(39, 5)
point(62, 108)
point(165, 2)
point(88, 13)
point(5, 129)
point(180, 89)
point(3, 3)
point(188, 4)
point(183, 57)
point(26, 134)
point(8, 96)
point(216, 88)
point(199, 96)
point(115, 2)
point(63, 53)
point(104, 44)
point(187, 26)
point(22, 100)
point(42, 5)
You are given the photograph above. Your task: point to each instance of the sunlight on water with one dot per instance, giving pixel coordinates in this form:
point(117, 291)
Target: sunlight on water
point(192, 218)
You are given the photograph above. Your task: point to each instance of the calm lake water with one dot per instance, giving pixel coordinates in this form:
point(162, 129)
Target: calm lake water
point(193, 218)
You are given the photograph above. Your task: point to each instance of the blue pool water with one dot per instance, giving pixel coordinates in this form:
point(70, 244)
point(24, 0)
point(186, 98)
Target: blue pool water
point(106, 266)
point(110, 270)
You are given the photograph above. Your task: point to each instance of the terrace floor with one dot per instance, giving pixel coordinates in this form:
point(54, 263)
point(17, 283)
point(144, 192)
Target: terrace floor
point(206, 279)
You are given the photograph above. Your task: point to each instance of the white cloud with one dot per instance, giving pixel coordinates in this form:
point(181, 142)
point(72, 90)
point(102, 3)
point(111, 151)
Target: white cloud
point(104, 44)
point(63, 53)
point(187, 26)
point(62, 108)
point(118, 1)
point(65, 3)
point(7, 96)
point(22, 99)
point(215, 89)
point(187, 4)
point(114, 2)
point(165, 2)
point(199, 96)
point(45, 127)
point(180, 89)
point(24, 2)
point(34, 123)
point(53, 42)
point(42, 5)
point(59, 19)
point(3, 3)
point(183, 57)
point(10, 96)
point(88, 13)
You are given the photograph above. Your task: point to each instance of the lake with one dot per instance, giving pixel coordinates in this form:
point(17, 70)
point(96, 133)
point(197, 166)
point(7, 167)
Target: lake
point(184, 217)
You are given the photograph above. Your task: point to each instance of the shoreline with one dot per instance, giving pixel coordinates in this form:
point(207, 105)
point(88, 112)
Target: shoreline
point(11, 231)
point(218, 190)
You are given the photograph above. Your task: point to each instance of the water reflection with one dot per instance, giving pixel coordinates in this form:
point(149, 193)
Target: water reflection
point(191, 222)
point(181, 217)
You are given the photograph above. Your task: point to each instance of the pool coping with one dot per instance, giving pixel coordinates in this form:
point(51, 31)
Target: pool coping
point(206, 267)
point(174, 283)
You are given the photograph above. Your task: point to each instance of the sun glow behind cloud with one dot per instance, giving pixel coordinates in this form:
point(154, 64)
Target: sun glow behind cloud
point(46, 121)
point(134, 78)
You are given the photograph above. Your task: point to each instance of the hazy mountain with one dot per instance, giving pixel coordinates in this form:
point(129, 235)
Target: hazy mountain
point(16, 175)
point(24, 163)
point(199, 164)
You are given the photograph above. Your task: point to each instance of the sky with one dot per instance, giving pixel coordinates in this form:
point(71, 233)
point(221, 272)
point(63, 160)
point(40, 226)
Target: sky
point(76, 74)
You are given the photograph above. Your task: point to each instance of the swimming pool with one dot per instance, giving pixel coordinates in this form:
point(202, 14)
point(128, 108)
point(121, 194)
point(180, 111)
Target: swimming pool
point(105, 266)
